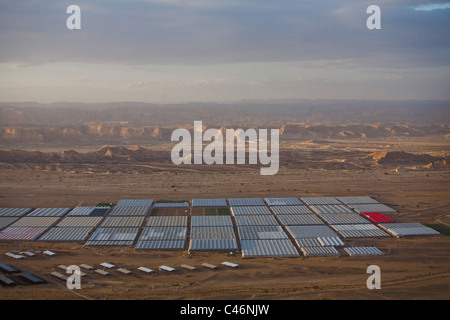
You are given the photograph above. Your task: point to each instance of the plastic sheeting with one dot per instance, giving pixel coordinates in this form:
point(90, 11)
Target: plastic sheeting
point(66, 234)
point(171, 205)
point(319, 251)
point(320, 200)
point(246, 202)
point(283, 201)
point(21, 233)
point(311, 231)
point(213, 245)
point(290, 210)
point(160, 245)
point(163, 233)
point(377, 217)
point(35, 222)
point(80, 221)
point(6, 221)
point(344, 218)
point(331, 209)
point(261, 232)
point(268, 248)
point(299, 219)
point(256, 220)
point(331, 241)
point(167, 221)
point(129, 211)
point(408, 229)
point(125, 221)
point(253, 210)
point(357, 200)
point(213, 232)
point(218, 203)
point(204, 221)
point(49, 212)
point(14, 212)
point(135, 203)
point(363, 251)
point(379, 207)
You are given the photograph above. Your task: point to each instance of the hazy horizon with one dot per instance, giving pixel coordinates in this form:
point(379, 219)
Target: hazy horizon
point(281, 101)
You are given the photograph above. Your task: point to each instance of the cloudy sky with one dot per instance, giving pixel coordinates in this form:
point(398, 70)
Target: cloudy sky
point(166, 51)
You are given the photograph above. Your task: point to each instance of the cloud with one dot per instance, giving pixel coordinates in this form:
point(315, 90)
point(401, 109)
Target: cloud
point(432, 6)
point(204, 49)
point(17, 65)
point(200, 32)
point(137, 84)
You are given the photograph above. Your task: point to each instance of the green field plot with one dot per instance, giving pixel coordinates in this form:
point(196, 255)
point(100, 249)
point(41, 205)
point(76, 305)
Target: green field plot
point(105, 204)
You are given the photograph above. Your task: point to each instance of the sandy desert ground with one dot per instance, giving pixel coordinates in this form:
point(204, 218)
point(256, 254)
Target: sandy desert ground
point(411, 268)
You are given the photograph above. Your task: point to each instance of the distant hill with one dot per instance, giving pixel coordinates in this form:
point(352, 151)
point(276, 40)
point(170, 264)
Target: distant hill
point(20, 136)
point(63, 124)
point(401, 157)
point(128, 159)
point(243, 113)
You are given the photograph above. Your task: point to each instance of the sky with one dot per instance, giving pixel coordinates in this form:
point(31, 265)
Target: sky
point(176, 51)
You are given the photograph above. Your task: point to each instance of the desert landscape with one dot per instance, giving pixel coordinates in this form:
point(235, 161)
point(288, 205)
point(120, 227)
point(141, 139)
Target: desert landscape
point(66, 156)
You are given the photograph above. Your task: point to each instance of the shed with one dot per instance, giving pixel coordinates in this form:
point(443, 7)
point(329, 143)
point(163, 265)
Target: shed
point(6, 268)
point(146, 270)
point(6, 281)
point(230, 264)
point(15, 256)
point(166, 268)
point(86, 266)
point(31, 278)
point(186, 266)
point(59, 276)
point(124, 271)
point(102, 272)
point(107, 265)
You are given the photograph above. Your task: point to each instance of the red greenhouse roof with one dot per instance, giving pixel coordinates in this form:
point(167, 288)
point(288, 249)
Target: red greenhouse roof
point(377, 217)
